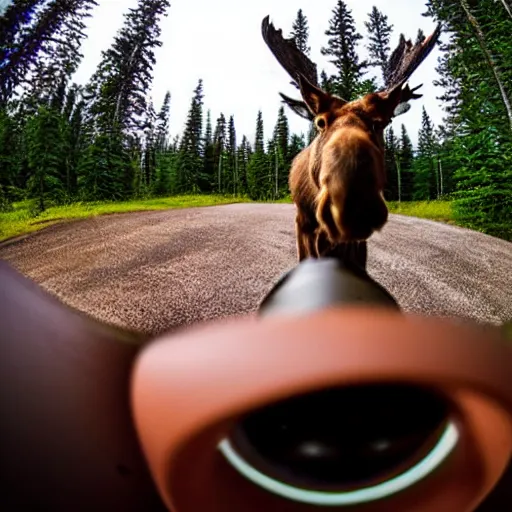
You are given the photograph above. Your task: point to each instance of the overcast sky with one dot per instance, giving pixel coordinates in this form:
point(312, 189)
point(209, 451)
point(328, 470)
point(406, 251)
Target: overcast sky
point(220, 41)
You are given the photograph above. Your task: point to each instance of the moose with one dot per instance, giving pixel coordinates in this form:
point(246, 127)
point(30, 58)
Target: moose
point(337, 182)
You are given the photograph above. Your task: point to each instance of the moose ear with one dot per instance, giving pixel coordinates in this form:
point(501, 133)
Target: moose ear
point(316, 100)
point(393, 98)
point(299, 107)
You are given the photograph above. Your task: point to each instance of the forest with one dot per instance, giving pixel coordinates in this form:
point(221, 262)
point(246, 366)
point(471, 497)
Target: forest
point(62, 143)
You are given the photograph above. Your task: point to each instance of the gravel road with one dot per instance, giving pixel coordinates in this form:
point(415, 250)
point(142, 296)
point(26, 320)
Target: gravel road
point(153, 271)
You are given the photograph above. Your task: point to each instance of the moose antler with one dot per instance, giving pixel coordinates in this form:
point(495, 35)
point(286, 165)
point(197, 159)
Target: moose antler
point(287, 54)
point(404, 60)
point(293, 61)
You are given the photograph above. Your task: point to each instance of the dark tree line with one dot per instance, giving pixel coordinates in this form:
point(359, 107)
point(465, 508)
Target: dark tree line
point(474, 143)
point(61, 142)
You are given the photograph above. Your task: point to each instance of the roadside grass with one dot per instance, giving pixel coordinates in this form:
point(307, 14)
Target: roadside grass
point(22, 219)
point(440, 211)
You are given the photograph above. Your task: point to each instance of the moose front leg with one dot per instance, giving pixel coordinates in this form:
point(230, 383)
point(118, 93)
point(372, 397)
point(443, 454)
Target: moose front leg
point(305, 231)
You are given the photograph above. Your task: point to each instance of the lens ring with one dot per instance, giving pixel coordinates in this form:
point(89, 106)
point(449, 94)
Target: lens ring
point(442, 450)
point(387, 437)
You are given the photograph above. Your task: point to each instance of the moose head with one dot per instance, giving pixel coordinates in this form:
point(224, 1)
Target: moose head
point(337, 182)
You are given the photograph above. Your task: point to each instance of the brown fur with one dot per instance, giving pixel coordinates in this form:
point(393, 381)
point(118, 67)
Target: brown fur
point(337, 182)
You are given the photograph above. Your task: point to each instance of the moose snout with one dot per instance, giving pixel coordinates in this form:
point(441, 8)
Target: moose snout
point(350, 203)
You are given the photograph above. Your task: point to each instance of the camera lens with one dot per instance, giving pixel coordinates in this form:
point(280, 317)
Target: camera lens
point(342, 439)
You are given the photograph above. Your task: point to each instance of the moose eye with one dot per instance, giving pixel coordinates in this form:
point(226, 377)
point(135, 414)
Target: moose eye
point(320, 123)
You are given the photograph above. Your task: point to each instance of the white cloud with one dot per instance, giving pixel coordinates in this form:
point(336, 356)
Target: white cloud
point(220, 41)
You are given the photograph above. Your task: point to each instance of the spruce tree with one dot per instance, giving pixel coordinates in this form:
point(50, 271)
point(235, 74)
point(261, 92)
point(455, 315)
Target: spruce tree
point(343, 49)
point(189, 161)
point(477, 138)
point(117, 97)
point(162, 127)
point(300, 32)
point(45, 144)
point(258, 176)
point(379, 35)
point(427, 181)
point(232, 157)
point(59, 56)
point(279, 154)
point(162, 182)
point(297, 144)
point(9, 158)
point(49, 42)
point(326, 82)
point(208, 182)
point(244, 154)
point(219, 143)
point(393, 187)
point(117, 90)
point(406, 162)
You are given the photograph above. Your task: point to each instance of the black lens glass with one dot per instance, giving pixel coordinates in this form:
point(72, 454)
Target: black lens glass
point(344, 438)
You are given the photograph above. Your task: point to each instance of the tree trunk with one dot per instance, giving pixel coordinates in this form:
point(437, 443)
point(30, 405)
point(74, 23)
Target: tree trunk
point(235, 178)
point(220, 171)
point(440, 166)
point(399, 175)
point(276, 173)
point(483, 45)
point(41, 193)
point(508, 8)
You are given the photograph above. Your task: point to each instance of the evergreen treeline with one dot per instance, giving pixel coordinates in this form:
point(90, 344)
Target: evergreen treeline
point(61, 142)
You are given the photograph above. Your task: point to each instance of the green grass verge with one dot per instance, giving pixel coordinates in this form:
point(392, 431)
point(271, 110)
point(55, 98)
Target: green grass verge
point(21, 220)
point(434, 210)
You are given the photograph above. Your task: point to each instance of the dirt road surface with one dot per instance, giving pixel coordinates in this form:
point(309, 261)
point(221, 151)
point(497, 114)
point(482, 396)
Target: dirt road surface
point(153, 271)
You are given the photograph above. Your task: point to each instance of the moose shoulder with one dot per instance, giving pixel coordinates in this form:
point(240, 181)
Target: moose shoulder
point(337, 182)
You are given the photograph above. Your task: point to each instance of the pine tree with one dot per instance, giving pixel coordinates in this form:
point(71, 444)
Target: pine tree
point(279, 154)
point(476, 145)
point(379, 35)
point(300, 32)
point(73, 120)
point(326, 82)
point(219, 143)
point(209, 182)
point(406, 162)
point(162, 128)
point(232, 157)
point(59, 56)
point(9, 158)
point(244, 154)
point(15, 54)
point(427, 180)
point(393, 187)
point(297, 144)
point(189, 162)
point(117, 97)
point(147, 169)
point(162, 184)
point(51, 42)
point(45, 154)
point(282, 133)
point(258, 177)
point(342, 47)
point(117, 88)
